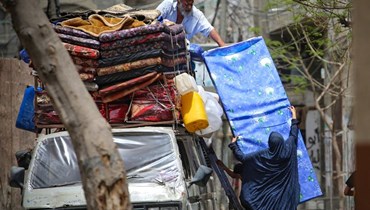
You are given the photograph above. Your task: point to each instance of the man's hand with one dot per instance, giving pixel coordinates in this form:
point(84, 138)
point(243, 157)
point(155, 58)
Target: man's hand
point(294, 112)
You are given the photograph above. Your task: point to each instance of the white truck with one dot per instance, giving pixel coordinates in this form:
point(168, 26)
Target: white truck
point(160, 162)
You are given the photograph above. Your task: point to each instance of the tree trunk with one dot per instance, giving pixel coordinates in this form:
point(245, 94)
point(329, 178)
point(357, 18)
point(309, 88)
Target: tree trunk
point(102, 170)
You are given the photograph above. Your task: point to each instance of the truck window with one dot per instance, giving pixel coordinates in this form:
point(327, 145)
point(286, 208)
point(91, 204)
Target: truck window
point(184, 159)
point(148, 157)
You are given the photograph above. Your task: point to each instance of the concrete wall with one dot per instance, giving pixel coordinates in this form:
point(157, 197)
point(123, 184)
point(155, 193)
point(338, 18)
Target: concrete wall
point(14, 76)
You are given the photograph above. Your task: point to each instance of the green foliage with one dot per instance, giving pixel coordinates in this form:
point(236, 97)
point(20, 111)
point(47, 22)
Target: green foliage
point(311, 40)
point(255, 30)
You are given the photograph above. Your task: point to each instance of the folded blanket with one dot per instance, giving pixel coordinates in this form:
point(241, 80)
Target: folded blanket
point(80, 41)
point(168, 62)
point(71, 31)
point(81, 51)
point(146, 16)
point(153, 37)
point(143, 54)
point(139, 31)
point(98, 24)
point(86, 77)
point(111, 79)
point(88, 70)
point(84, 62)
point(163, 45)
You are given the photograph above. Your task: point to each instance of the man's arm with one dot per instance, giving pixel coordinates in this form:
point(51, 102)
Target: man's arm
point(216, 37)
point(164, 8)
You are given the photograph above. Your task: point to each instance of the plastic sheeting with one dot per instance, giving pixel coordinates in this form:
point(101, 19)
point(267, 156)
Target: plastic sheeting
point(149, 157)
point(255, 102)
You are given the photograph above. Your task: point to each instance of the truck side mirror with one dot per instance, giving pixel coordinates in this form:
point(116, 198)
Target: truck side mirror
point(202, 176)
point(16, 178)
point(23, 158)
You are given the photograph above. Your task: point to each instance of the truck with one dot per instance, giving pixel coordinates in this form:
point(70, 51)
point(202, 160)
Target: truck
point(166, 169)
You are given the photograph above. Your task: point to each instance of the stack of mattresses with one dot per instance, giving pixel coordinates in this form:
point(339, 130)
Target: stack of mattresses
point(130, 64)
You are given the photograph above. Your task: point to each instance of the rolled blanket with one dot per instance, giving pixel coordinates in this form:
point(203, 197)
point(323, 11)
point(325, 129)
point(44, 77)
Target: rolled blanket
point(123, 93)
point(127, 84)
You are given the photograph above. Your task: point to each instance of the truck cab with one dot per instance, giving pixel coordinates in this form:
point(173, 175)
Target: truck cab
point(160, 163)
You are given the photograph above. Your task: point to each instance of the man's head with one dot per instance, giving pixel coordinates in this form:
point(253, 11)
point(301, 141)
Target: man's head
point(185, 6)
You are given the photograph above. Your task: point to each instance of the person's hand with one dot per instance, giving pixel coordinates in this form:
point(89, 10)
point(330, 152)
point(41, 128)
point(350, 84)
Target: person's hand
point(234, 139)
point(294, 112)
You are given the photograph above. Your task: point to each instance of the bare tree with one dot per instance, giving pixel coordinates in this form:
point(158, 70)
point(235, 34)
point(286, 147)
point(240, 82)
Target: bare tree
point(102, 170)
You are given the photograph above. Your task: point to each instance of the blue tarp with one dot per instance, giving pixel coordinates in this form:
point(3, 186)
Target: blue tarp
point(255, 102)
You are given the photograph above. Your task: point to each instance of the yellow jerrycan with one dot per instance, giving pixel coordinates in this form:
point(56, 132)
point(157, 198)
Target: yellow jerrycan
point(193, 112)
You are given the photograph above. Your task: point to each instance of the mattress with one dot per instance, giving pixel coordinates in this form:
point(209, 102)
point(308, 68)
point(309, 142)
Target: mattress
point(255, 102)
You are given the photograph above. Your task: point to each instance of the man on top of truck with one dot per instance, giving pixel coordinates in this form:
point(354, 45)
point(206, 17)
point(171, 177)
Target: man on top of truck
point(185, 13)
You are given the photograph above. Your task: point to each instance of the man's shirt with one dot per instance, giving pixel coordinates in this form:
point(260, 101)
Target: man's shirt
point(193, 23)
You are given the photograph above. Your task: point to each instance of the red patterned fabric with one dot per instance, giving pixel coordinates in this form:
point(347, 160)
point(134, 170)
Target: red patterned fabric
point(117, 112)
point(81, 51)
point(168, 62)
point(155, 103)
point(160, 92)
point(146, 110)
point(120, 94)
point(87, 77)
point(89, 70)
point(47, 116)
point(85, 62)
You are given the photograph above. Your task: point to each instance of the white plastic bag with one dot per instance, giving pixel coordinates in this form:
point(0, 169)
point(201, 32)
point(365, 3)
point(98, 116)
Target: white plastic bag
point(214, 112)
point(185, 83)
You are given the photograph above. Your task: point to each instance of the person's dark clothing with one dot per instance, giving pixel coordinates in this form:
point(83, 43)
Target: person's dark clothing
point(270, 177)
point(351, 180)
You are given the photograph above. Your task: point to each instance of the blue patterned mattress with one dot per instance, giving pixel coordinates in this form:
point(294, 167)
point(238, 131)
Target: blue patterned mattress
point(255, 102)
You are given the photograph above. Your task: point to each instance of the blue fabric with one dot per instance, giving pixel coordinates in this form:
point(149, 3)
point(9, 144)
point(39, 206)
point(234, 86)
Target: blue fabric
point(196, 52)
point(270, 176)
point(193, 23)
point(25, 118)
point(255, 102)
point(24, 56)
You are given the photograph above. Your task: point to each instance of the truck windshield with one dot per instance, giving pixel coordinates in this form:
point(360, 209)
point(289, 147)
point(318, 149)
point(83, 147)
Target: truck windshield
point(148, 157)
